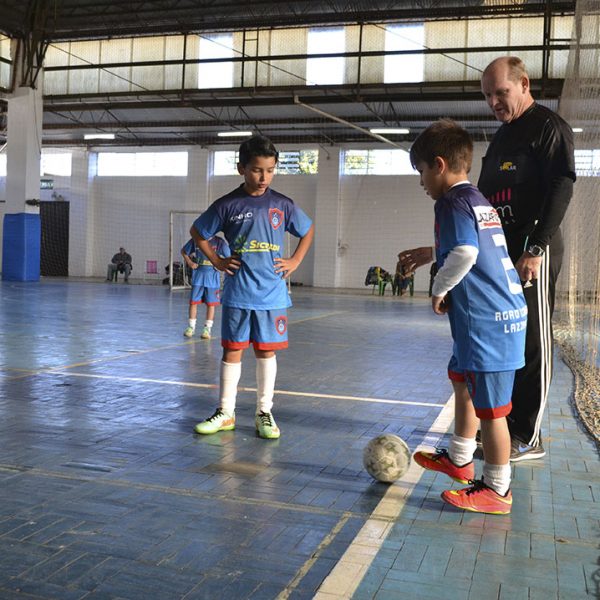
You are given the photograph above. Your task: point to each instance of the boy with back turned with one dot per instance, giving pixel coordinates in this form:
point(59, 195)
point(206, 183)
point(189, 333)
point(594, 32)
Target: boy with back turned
point(479, 289)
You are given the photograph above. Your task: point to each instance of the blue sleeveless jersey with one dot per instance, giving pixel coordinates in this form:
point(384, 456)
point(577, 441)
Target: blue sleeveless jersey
point(254, 227)
point(488, 314)
point(206, 275)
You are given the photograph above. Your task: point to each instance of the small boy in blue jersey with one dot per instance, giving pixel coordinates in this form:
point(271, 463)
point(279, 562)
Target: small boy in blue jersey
point(254, 219)
point(478, 287)
point(206, 283)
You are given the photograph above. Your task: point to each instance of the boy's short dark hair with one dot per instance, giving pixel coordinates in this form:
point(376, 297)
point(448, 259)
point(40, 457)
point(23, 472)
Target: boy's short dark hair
point(446, 139)
point(257, 145)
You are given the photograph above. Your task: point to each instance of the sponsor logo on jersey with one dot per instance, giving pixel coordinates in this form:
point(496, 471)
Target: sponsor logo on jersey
point(257, 246)
point(243, 216)
point(508, 165)
point(281, 324)
point(275, 217)
point(487, 217)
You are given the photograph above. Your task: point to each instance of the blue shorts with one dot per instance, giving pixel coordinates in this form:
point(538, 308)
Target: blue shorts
point(266, 329)
point(208, 296)
point(491, 392)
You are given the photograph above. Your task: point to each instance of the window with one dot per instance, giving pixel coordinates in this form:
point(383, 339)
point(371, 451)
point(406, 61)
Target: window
point(142, 164)
point(225, 162)
point(377, 162)
point(404, 68)
point(295, 162)
point(218, 74)
point(587, 163)
point(298, 162)
point(56, 164)
point(325, 71)
point(50, 164)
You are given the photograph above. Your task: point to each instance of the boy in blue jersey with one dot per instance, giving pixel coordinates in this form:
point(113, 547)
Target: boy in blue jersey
point(254, 219)
point(478, 287)
point(206, 283)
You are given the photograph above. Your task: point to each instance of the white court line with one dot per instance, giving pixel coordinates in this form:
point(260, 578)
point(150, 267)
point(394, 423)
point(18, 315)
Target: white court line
point(349, 571)
point(242, 389)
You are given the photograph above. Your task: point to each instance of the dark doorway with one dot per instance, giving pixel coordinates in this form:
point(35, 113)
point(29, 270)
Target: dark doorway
point(54, 255)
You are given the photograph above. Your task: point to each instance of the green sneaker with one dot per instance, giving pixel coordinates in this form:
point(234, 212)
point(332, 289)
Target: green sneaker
point(189, 332)
point(219, 421)
point(266, 426)
point(206, 333)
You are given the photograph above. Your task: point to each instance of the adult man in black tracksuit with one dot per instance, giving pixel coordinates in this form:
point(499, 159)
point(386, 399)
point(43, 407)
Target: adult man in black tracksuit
point(527, 175)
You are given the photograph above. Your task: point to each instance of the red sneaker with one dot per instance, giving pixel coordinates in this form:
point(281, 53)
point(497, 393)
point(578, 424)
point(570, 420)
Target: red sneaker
point(440, 461)
point(479, 498)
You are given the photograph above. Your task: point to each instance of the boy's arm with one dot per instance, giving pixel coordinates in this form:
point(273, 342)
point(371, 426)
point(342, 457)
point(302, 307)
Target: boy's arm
point(188, 261)
point(288, 265)
point(230, 264)
point(458, 263)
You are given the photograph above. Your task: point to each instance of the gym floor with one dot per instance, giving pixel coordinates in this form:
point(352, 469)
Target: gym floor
point(106, 492)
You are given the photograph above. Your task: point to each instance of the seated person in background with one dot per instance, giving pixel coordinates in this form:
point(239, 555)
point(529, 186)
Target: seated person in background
point(432, 273)
point(402, 280)
point(120, 262)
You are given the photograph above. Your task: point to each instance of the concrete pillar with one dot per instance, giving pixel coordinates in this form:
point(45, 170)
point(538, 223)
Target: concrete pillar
point(327, 220)
point(24, 147)
point(197, 193)
point(21, 226)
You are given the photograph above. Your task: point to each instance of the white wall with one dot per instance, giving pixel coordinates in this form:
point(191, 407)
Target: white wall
point(371, 218)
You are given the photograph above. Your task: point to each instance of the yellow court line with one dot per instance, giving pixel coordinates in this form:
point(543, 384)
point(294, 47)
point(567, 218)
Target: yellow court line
point(244, 389)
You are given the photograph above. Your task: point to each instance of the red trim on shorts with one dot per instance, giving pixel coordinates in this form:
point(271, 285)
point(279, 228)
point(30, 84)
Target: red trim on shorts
point(229, 345)
point(270, 345)
point(494, 413)
point(213, 304)
point(195, 302)
point(456, 376)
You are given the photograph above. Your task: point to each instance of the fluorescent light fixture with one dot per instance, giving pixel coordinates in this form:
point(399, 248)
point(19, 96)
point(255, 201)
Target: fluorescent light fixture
point(577, 130)
point(99, 136)
point(384, 130)
point(234, 133)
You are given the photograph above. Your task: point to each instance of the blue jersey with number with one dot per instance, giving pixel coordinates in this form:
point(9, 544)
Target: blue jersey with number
point(206, 275)
point(254, 227)
point(488, 314)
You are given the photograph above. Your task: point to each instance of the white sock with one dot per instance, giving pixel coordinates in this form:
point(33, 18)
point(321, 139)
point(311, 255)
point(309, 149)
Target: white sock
point(461, 450)
point(229, 379)
point(192, 323)
point(208, 324)
point(497, 477)
point(266, 372)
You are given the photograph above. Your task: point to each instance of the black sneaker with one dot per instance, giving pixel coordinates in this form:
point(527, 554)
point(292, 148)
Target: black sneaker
point(520, 451)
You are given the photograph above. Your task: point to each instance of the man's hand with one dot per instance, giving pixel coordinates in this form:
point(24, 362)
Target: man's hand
point(286, 266)
point(415, 258)
point(228, 265)
point(528, 267)
point(440, 304)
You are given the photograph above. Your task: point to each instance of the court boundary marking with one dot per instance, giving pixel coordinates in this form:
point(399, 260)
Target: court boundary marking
point(244, 389)
point(345, 578)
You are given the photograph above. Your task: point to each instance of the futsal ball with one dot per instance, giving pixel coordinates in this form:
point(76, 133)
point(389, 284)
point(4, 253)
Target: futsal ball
point(386, 457)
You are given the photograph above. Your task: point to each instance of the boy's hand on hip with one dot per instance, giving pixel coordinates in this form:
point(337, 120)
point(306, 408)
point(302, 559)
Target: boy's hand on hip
point(286, 266)
point(229, 265)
